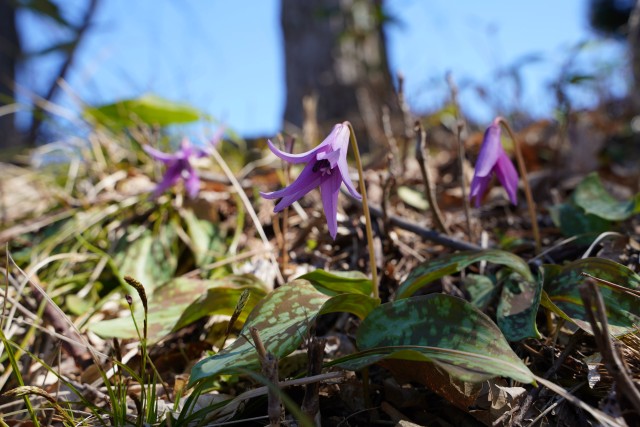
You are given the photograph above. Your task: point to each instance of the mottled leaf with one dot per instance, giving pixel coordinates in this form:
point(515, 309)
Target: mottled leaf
point(481, 289)
point(591, 196)
point(434, 269)
point(283, 319)
point(518, 307)
point(206, 241)
point(441, 329)
point(148, 109)
point(146, 258)
point(182, 301)
point(339, 282)
point(561, 285)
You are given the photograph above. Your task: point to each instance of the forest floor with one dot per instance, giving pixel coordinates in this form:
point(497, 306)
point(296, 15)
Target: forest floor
point(71, 231)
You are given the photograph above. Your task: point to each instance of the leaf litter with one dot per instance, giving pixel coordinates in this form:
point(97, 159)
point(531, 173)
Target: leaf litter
point(456, 338)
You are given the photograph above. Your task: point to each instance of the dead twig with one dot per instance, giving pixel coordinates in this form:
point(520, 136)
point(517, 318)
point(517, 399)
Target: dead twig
point(613, 362)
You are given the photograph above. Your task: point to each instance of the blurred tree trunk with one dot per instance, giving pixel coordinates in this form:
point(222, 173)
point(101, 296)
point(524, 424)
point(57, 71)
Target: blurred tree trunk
point(336, 64)
point(9, 56)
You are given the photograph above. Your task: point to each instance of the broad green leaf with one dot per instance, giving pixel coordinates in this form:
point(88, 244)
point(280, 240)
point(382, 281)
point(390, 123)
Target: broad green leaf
point(339, 282)
point(183, 301)
point(358, 304)
point(591, 196)
point(151, 259)
point(573, 221)
point(434, 269)
point(518, 307)
point(148, 109)
point(441, 329)
point(283, 319)
point(205, 238)
point(561, 285)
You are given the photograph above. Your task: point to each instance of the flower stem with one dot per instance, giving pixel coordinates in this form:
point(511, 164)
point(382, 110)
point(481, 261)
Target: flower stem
point(527, 189)
point(367, 216)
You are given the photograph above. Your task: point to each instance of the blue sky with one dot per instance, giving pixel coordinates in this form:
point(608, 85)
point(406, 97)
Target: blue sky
point(225, 57)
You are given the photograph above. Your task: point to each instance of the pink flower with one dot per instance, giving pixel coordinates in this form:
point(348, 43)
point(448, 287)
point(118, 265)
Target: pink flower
point(493, 159)
point(179, 165)
point(326, 168)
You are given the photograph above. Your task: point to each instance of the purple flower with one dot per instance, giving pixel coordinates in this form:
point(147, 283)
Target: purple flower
point(492, 158)
point(326, 167)
point(178, 166)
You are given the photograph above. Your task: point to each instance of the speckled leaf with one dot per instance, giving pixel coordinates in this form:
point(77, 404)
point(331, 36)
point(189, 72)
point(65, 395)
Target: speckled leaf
point(440, 329)
point(182, 301)
point(434, 269)
point(206, 241)
point(481, 290)
point(561, 285)
point(283, 319)
point(591, 196)
point(339, 282)
point(145, 259)
point(518, 307)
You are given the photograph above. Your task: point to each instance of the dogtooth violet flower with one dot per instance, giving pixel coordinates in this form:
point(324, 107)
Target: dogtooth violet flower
point(179, 166)
point(326, 167)
point(493, 159)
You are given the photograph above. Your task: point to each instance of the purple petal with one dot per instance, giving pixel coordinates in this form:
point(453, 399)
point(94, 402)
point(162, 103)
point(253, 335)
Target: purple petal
point(339, 137)
point(192, 183)
point(490, 151)
point(508, 177)
point(479, 186)
point(301, 182)
point(331, 156)
point(344, 174)
point(329, 190)
point(306, 181)
point(159, 155)
point(170, 178)
point(297, 158)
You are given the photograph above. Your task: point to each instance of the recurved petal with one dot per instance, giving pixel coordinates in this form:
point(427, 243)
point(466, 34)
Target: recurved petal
point(329, 190)
point(291, 197)
point(297, 158)
point(508, 177)
point(302, 182)
point(344, 174)
point(490, 150)
point(159, 155)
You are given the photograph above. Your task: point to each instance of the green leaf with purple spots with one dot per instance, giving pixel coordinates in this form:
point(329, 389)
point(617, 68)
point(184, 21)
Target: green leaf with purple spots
point(283, 319)
point(518, 307)
point(561, 286)
point(440, 329)
point(432, 270)
point(183, 301)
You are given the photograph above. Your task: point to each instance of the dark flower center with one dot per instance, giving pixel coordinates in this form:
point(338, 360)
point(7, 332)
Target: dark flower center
point(322, 165)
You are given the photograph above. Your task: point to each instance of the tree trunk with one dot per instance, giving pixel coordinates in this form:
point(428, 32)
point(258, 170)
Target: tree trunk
point(9, 55)
point(336, 65)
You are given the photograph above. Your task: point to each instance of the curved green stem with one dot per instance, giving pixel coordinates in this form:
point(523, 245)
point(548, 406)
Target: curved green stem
point(527, 189)
point(367, 216)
